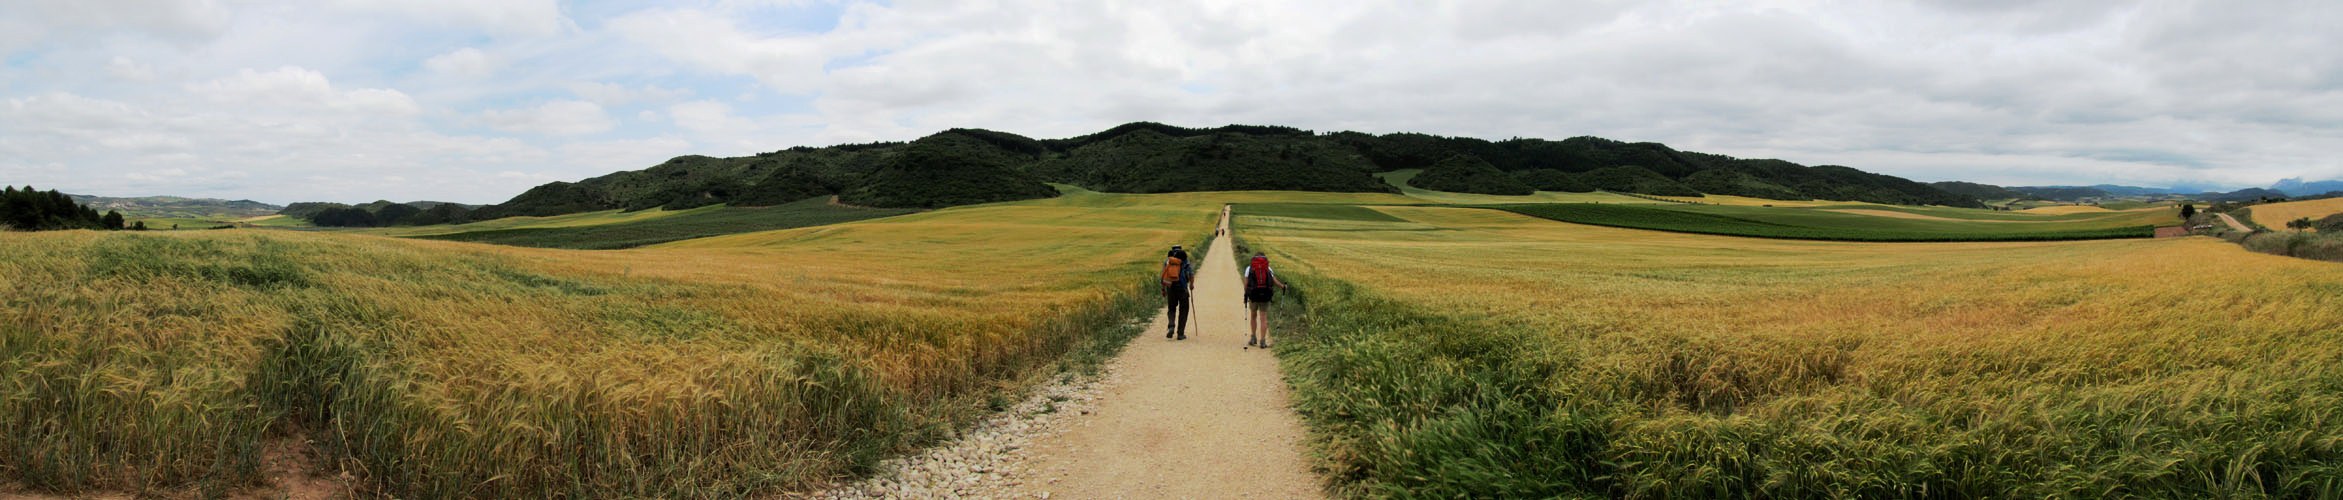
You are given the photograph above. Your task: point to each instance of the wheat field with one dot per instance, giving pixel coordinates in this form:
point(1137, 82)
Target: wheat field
point(160, 363)
point(1464, 352)
point(2276, 215)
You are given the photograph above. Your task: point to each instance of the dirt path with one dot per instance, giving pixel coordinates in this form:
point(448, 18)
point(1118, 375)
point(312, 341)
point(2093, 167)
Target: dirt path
point(2234, 224)
point(1199, 418)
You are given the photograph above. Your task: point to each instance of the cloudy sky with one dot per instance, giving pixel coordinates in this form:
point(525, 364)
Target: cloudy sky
point(475, 101)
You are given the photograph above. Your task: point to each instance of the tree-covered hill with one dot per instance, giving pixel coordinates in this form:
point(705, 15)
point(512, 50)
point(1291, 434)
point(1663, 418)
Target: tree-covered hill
point(1979, 191)
point(1147, 160)
point(1469, 174)
point(962, 166)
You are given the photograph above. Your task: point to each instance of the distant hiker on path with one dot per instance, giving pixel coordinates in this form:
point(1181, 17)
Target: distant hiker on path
point(1261, 285)
point(1179, 278)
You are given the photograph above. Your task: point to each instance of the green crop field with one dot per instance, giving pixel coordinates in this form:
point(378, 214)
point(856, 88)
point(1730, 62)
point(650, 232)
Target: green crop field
point(1480, 353)
point(1827, 223)
point(1400, 178)
point(681, 225)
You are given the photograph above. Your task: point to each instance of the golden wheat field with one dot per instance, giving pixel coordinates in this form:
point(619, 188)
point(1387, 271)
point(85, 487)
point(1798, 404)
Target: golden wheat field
point(438, 369)
point(2276, 215)
point(1687, 365)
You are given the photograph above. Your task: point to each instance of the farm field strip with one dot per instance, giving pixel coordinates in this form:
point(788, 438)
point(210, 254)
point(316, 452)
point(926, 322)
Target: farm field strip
point(576, 220)
point(1510, 356)
point(2276, 215)
point(683, 225)
point(1825, 224)
point(1401, 177)
point(711, 367)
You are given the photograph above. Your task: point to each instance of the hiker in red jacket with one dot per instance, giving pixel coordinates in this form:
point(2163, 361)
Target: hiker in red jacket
point(1261, 285)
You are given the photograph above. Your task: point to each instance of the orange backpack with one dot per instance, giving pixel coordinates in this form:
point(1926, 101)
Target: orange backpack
point(1172, 271)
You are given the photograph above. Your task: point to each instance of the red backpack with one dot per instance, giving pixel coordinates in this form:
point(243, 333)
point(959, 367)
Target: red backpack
point(1260, 272)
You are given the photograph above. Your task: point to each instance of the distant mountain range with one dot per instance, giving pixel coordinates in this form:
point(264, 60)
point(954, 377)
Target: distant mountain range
point(2284, 189)
point(2296, 187)
point(177, 207)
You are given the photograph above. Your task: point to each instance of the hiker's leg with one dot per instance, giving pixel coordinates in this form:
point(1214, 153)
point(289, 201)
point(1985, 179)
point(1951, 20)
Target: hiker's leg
point(1171, 313)
point(1259, 318)
point(1179, 312)
point(1264, 324)
point(1252, 321)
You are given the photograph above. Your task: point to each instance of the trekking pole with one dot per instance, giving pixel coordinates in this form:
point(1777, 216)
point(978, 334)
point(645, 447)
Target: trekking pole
point(1190, 321)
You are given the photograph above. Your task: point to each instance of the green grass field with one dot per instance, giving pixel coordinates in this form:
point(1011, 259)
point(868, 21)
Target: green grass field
point(184, 223)
point(1826, 223)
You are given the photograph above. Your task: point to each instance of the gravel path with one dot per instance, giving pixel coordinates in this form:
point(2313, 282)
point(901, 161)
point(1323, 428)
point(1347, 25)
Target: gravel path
point(2234, 224)
point(1200, 418)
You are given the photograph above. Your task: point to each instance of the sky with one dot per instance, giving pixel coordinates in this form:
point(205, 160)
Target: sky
point(476, 101)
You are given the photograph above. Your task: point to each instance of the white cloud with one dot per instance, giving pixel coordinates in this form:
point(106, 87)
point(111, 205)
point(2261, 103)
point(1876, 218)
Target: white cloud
point(301, 90)
point(2028, 93)
point(29, 22)
point(504, 17)
point(552, 118)
point(708, 117)
point(611, 94)
point(790, 64)
point(321, 152)
point(125, 69)
point(467, 61)
point(594, 158)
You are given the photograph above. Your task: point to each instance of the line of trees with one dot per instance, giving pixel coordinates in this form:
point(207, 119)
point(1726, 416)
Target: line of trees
point(31, 209)
point(377, 214)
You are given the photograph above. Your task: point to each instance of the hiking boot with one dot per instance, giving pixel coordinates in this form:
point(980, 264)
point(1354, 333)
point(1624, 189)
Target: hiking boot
point(1167, 334)
point(1183, 336)
point(1252, 341)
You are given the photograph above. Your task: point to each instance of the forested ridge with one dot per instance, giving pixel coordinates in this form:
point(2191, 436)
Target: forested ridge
point(969, 166)
point(31, 209)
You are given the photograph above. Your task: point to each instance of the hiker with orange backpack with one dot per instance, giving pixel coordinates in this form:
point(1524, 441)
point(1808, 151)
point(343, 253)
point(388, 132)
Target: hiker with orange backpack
point(1261, 285)
point(1179, 280)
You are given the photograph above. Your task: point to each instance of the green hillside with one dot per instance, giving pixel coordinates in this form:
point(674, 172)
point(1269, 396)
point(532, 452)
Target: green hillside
point(1469, 174)
point(1147, 160)
point(964, 166)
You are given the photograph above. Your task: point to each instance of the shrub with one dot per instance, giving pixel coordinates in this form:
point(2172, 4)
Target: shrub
point(2318, 246)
